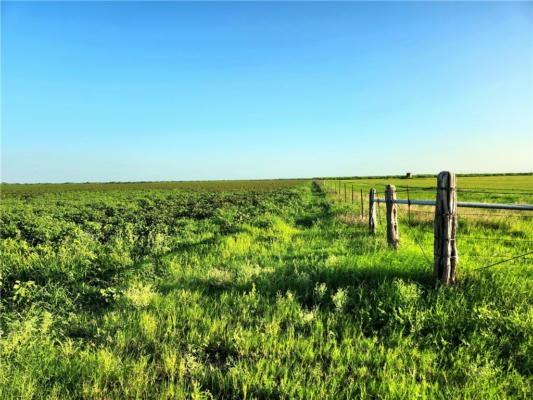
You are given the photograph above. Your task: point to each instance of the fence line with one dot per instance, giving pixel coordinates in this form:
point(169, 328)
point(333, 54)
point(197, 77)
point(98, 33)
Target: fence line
point(449, 193)
point(494, 206)
point(403, 188)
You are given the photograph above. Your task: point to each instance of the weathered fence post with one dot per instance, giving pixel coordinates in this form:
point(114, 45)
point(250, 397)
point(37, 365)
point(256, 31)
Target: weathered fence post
point(445, 249)
point(392, 217)
point(372, 212)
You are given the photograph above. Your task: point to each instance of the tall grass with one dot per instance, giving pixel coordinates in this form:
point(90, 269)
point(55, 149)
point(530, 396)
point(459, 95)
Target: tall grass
point(282, 295)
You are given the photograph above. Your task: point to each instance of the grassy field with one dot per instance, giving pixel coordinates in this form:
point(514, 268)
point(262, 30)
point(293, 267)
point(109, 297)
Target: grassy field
point(491, 187)
point(270, 289)
point(13, 189)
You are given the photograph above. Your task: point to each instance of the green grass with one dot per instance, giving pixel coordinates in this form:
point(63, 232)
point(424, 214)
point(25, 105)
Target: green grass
point(488, 184)
point(15, 189)
point(276, 293)
point(480, 231)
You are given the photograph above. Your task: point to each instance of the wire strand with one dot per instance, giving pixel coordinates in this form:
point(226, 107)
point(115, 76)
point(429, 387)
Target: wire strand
point(486, 256)
point(493, 215)
point(503, 261)
point(496, 240)
point(418, 244)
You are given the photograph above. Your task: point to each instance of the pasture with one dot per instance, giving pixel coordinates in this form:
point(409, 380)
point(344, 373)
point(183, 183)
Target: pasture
point(259, 290)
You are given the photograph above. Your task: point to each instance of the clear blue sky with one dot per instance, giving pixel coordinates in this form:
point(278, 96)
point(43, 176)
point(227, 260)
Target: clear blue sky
point(183, 91)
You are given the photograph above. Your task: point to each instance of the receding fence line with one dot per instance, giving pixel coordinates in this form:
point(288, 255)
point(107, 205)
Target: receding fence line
point(445, 222)
point(464, 204)
point(445, 219)
point(494, 206)
point(490, 191)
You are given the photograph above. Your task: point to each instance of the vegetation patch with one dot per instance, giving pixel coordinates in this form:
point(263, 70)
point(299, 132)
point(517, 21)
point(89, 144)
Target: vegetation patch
point(256, 293)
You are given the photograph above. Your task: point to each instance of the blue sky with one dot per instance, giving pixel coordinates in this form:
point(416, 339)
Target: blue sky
point(182, 91)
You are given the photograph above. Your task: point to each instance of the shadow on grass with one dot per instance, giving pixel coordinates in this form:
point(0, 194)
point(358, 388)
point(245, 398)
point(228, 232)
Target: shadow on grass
point(302, 270)
point(287, 274)
point(301, 282)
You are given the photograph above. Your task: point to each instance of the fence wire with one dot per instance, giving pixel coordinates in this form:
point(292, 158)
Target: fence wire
point(503, 261)
point(499, 259)
point(415, 237)
point(405, 213)
point(525, 245)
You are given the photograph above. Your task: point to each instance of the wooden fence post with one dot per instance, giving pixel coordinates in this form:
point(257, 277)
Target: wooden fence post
point(445, 249)
point(372, 212)
point(392, 217)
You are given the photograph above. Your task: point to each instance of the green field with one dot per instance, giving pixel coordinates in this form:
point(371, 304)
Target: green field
point(13, 189)
point(259, 289)
point(514, 188)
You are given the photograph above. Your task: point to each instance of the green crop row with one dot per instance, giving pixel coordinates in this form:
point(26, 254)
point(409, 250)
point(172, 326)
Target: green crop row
point(13, 189)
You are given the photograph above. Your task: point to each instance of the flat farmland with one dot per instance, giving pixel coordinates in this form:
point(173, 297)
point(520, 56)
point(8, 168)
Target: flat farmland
point(260, 289)
point(468, 187)
point(8, 190)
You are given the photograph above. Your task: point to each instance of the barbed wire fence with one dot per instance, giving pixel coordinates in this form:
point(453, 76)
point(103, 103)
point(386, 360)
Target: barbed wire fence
point(511, 244)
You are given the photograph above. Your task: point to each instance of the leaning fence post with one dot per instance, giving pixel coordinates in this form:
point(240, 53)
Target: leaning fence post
point(372, 212)
point(445, 249)
point(392, 217)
